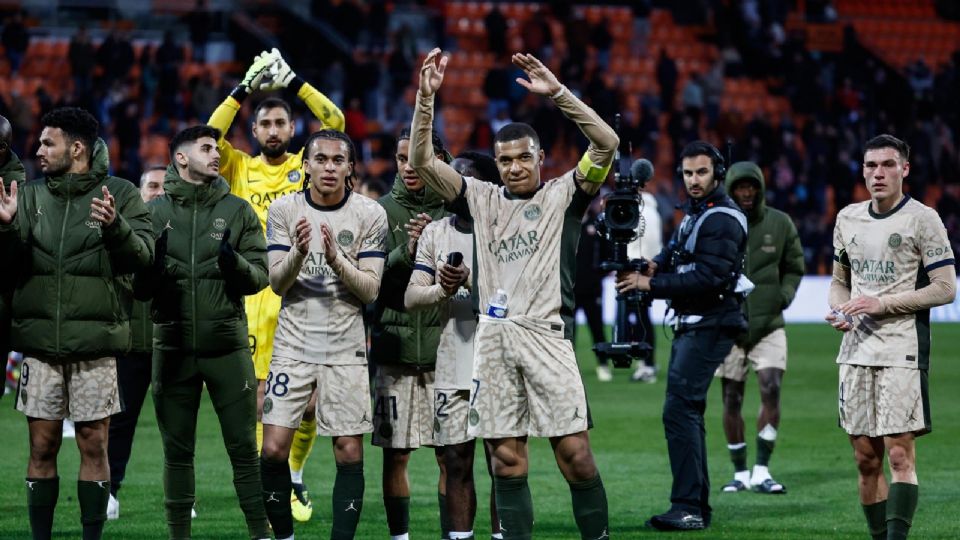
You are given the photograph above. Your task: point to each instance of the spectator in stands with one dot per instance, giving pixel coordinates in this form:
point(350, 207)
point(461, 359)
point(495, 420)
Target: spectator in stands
point(692, 98)
point(667, 79)
point(198, 22)
point(496, 26)
point(15, 41)
point(602, 40)
point(82, 59)
point(169, 57)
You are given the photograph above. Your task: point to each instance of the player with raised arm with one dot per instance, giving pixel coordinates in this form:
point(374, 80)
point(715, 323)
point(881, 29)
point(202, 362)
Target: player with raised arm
point(892, 264)
point(525, 376)
point(262, 179)
point(326, 247)
point(441, 277)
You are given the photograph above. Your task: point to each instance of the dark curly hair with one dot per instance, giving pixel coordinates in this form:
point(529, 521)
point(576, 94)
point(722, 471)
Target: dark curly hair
point(76, 123)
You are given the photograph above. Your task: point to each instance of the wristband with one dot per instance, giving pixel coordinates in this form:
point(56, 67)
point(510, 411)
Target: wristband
point(240, 93)
point(592, 173)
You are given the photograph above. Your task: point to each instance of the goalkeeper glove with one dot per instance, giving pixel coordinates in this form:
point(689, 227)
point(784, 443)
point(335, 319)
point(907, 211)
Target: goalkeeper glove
point(257, 70)
point(280, 74)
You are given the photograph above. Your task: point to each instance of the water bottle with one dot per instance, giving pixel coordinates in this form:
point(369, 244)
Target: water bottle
point(497, 308)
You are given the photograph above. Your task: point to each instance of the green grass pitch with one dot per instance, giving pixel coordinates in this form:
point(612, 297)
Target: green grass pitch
point(812, 458)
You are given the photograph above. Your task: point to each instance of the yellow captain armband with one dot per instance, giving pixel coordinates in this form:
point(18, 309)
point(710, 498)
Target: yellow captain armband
point(590, 172)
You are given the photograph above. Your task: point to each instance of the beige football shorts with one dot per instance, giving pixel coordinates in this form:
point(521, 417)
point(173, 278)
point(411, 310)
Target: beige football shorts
point(83, 391)
point(526, 382)
point(403, 407)
point(769, 352)
point(343, 396)
point(877, 401)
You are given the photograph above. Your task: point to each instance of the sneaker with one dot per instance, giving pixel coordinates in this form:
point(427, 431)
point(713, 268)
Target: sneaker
point(644, 373)
point(113, 507)
point(193, 512)
point(733, 486)
point(604, 373)
point(677, 520)
point(770, 487)
point(300, 504)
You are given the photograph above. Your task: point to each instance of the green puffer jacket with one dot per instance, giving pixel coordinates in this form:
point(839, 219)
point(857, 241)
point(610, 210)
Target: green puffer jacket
point(197, 308)
point(141, 328)
point(774, 260)
point(396, 337)
point(72, 278)
point(11, 171)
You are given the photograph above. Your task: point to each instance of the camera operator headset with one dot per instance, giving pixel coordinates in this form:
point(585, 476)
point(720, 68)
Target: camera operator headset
point(699, 273)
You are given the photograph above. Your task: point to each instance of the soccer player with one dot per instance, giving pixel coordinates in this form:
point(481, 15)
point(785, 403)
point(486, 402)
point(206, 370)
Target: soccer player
point(211, 253)
point(11, 170)
point(133, 370)
point(525, 376)
point(68, 244)
point(774, 264)
point(262, 179)
point(404, 345)
point(326, 248)
point(436, 283)
point(892, 263)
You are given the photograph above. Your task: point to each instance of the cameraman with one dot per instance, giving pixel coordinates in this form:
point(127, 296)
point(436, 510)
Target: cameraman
point(698, 272)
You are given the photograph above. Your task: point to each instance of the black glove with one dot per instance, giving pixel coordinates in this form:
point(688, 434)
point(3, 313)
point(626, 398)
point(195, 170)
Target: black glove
point(227, 259)
point(160, 252)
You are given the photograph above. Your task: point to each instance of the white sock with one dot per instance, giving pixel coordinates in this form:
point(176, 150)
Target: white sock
point(287, 538)
point(497, 536)
point(460, 535)
point(743, 477)
point(404, 536)
point(296, 476)
point(760, 473)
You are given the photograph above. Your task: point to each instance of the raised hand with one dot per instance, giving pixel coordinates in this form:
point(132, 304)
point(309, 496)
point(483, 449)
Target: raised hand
point(303, 235)
point(431, 74)
point(255, 73)
point(8, 203)
point(414, 229)
point(279, 74)
point(104, 210)
point(329, 246)
point(542, 80)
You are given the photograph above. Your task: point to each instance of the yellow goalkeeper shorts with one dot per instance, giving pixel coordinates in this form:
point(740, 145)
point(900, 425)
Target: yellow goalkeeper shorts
point(262, 311)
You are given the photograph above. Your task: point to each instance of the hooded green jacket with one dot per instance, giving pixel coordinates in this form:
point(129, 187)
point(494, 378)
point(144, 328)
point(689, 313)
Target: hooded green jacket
point(774, 259)
point(398, 337)
point(72, 277)
point(11, 171)
point(197, 307)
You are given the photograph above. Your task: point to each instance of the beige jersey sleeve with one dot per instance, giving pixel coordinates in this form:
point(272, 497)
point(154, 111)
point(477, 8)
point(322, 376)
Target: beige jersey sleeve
point(603, 139)
point(840, 282)
point(422, 291)
point(435, 173)
point(285, 260)
point(363, 280)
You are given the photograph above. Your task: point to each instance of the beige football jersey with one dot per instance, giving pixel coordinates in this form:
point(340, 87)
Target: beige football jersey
point(321, 320)
point(888, 254)
point(455, 352)
point(518, 245)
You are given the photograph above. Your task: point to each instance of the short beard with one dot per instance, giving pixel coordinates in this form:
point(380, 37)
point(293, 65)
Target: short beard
point(275, 153)
point(59, 167)
point(201, 175)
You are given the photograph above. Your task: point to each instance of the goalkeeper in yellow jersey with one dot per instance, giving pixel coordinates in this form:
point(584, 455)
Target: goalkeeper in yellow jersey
point(262, 179)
